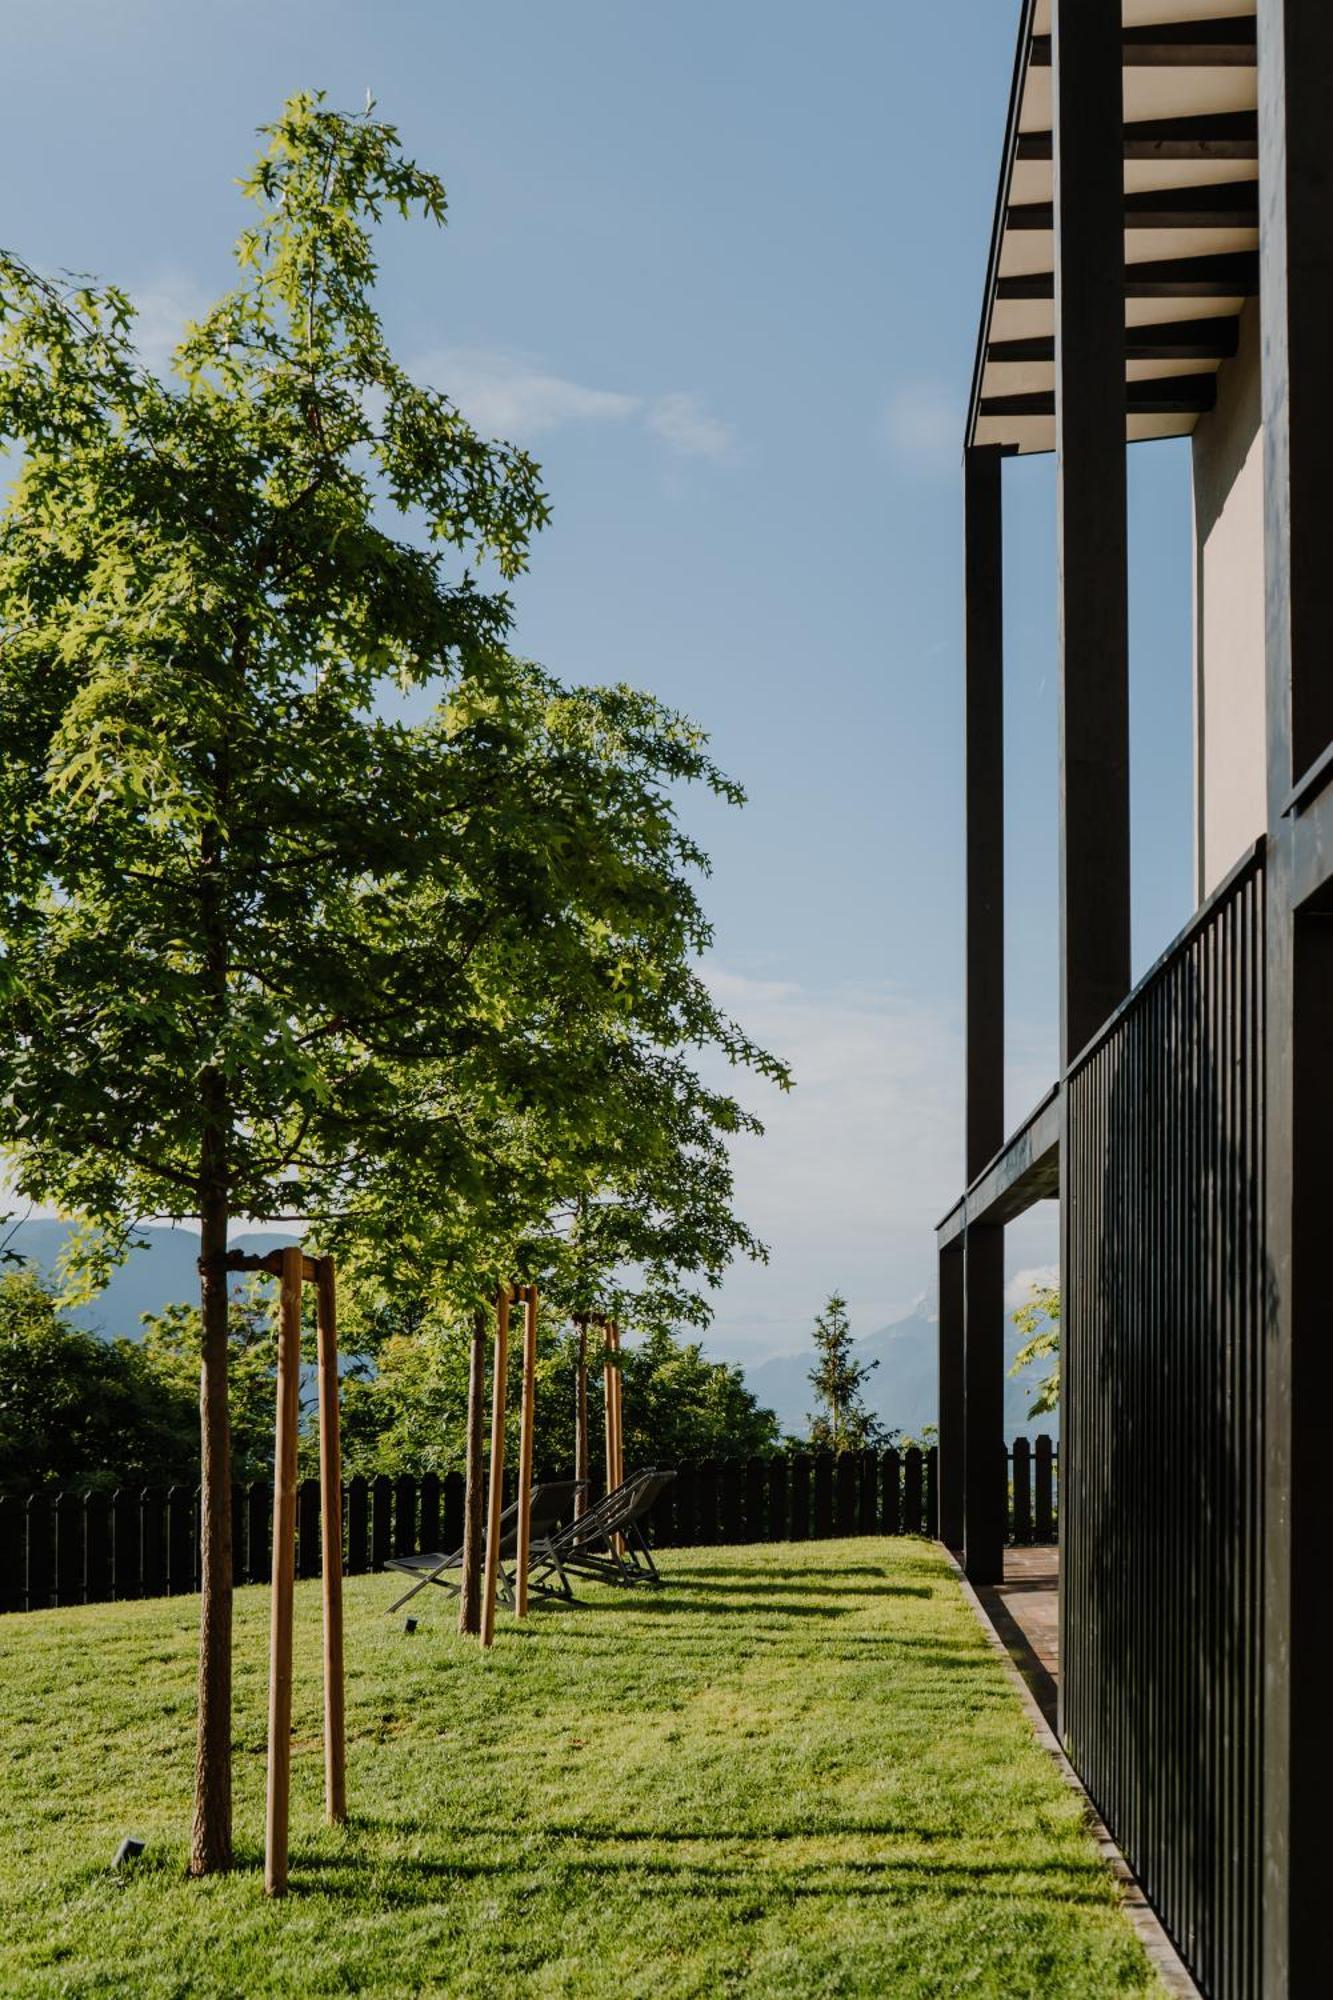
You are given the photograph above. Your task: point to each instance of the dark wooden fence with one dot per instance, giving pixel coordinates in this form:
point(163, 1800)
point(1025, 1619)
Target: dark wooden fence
point(93, 1547)
point(1161, 1652)
point(85, 1548)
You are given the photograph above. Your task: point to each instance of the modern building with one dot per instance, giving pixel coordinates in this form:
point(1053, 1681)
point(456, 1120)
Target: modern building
point(1162, 266)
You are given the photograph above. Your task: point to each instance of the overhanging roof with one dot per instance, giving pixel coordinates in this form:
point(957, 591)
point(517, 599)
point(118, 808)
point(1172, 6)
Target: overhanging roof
point(1191, 223)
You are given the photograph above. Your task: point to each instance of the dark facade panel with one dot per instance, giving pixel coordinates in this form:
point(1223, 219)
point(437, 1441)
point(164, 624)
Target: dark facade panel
point(1163, 1434)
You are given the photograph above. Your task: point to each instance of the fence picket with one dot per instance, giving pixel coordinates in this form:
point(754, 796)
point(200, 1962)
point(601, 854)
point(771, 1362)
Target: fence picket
point(455, 1493)
point(381, 1522)
point(729, 1501)
point(358, 1526)
point(1045, 1512)
point(240, 1566)
point(259, 1531)
point(779, 1520)
point(405, 1515)
point(846, 1468)
point(800, 1497)
point(912, 1496)
point(97, 1581)
point(180, 1556)
point(867, 1480)
point(307, 1528)
point(13, 1550)
point(685, 1509)
point(933, 1491)
point(69, 1548)
point(428, 1530)
point(153, 1541)
point(40, 1568)
point(126, 1543)
point(756, 1500)
point(823, 1495)
point(705, 1492)
point(890, 1494)
point(1021, 1472)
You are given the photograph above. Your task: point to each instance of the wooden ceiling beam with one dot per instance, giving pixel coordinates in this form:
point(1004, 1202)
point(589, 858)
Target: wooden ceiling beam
point(1235, 275)
point(1179, 340)
point(1168, 396)
point(1230, 205)
point(1228, 44)
point(1223, 135)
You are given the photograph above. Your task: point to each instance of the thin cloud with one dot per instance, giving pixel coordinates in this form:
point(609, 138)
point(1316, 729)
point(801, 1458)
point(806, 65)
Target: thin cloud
point(687, 428)
point(1023, 1283)
point(858, 1163)
point(507, 395)
point(511, 395)
point(923, 426)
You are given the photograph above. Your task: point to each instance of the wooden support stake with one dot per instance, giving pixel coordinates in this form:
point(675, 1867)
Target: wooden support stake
point(495, 1509)
point(284, 1575)
point(525, 1443)
point(331, 1531)
point(609, 1407)
point(581, 1419)
point(618, 1391)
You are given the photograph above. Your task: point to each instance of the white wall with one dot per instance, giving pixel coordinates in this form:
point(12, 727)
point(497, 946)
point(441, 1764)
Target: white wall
point(1229, 715)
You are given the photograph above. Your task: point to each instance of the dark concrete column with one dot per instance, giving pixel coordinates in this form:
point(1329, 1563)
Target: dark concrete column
point(1088, 150)
point(1296, 306)
point(984, 573)
point(1088, 153)
point(951, 1401)
point(986, 1497)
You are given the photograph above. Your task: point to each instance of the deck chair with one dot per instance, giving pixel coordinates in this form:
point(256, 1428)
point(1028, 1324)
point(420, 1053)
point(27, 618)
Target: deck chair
point(551, 1503)
point(589, 1545)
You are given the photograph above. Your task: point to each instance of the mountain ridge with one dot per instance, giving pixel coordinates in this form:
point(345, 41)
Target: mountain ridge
point(901, 1391)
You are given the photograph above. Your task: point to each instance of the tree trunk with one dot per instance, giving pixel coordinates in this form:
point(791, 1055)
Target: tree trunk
point(210, 1840)
point(581, 1419)
point(469, 1588)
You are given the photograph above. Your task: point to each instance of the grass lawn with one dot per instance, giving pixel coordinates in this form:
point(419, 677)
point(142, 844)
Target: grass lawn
point(791, 1771)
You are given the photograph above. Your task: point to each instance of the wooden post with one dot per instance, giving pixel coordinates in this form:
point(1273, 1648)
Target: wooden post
point(284, 1575)
point(525, 1438)
point(495, 1509)
point(331, 1537)
point(469, 1581)
point(617, 1420)
point(581, 1466)
point(609, 1407)
point(618, 1394)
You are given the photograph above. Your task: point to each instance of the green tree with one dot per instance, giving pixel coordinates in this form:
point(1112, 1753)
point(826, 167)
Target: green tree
point(1038, 1320)
point(200, 603)
point(843, 1423)
point(265, 949)
point(410, 1413)
point(77, 1411)
point(170, 1352)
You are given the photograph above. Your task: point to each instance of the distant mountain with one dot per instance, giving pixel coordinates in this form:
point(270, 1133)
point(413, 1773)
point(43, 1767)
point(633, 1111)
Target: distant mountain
point(903, 1390)
point(165, 1272)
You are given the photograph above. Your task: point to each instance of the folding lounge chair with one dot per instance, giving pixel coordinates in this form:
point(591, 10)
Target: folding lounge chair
point(550, 1504)
point(589, 1545)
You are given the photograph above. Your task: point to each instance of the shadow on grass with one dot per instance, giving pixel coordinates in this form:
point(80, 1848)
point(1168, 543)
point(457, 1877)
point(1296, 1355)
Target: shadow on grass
point(412, 1880)
point(748, 1569)
point(812, 1587)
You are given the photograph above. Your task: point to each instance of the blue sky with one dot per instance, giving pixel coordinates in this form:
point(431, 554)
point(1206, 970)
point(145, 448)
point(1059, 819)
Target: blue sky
point(720, 266)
